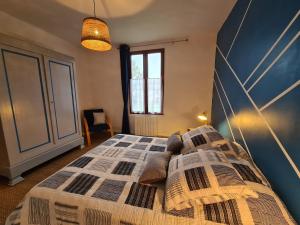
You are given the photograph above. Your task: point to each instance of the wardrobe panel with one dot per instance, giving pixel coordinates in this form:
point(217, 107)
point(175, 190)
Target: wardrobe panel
point(63, 94)
point(24, 76)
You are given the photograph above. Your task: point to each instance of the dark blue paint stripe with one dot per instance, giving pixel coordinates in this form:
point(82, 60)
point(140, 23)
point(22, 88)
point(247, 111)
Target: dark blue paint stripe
point(231, 25)
point(284, 73)
point(289, 35)
point(264, 23)
point(286, 123)
point(233, 123)
point(219, 120)
point(263, 147)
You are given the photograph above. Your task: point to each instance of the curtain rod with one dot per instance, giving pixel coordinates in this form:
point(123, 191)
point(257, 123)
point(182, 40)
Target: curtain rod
point(158, 43)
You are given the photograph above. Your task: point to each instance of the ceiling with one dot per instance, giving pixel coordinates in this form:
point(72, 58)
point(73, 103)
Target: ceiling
point(130, 21)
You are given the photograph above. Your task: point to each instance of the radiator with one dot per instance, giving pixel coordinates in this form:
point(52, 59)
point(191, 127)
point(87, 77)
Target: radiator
point(146, 125)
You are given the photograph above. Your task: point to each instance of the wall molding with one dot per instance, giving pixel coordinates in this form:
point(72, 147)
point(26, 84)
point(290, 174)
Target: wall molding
point(283, 149)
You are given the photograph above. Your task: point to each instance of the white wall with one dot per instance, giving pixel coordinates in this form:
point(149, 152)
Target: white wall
point(188, 83)
point(188, 75)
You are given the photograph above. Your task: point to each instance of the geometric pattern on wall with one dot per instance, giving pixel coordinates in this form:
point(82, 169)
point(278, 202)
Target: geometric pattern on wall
point(257, 89)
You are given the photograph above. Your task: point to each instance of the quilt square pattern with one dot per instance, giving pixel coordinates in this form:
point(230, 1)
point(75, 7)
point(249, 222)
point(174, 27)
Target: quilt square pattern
point(56, 180)
point(112, 152)
point(190, 159)
point(132, 154)
point(81, 162)
point(198, 140)
point(101, 165)
point(246, 173)
point(226, 212)
point(265, 210)
point(139, 146)
point(131, 138)
point(123, 144)
point(110, 190)
point(173, 186)
point(109, 142)
point(157, 148)
point(224, 147)
point(146, 139)
point(196, 178)
point(81, 184)
point(118, 136)
point(188, 212)
point(66, 213)
point(226, 176)
point(124, 168)
point(39, 212)
point(214, 136)
point(141, 196)
point(97, 217)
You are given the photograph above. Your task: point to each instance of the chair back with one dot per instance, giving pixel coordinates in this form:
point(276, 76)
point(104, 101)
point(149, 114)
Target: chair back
point(88, 114)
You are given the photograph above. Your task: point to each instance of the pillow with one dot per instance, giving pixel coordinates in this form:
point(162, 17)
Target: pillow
point(242, 153)
point(202, 136)
point(233, 150)
point(267, 209)
point(203, 177)
point(99, 118)
point(187, 150)
point(156, 168)
point(236, 153)
point(174, 143)
point(249, 172)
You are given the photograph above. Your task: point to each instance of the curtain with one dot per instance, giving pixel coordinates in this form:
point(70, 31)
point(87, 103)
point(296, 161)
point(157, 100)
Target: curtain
point(125, 66)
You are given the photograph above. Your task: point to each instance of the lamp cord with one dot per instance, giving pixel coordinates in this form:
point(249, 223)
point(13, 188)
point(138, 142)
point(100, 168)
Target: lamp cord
point(94, 8)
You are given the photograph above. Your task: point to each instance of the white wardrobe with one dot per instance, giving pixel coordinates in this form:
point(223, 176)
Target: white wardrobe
point(39, 116)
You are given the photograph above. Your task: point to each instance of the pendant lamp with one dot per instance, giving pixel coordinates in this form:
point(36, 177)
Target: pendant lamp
point(95, 34)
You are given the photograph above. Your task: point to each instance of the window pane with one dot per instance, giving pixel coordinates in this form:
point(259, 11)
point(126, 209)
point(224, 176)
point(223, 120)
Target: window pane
point(137, 95)
point(137, 66)
point(154, 95)
point(154, 65)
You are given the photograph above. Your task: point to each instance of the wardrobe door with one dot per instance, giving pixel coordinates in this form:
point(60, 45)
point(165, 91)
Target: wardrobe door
point(62, 92)
point(24, 104)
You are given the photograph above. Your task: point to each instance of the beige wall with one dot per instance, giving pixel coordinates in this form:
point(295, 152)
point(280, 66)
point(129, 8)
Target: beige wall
point(188, 75)
point(188, 83)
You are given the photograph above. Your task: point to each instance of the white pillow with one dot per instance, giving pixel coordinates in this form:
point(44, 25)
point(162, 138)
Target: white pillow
point(99, 118)
point(203, 177)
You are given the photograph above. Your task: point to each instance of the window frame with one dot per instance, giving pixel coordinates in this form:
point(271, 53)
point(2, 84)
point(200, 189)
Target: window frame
point(145, 77)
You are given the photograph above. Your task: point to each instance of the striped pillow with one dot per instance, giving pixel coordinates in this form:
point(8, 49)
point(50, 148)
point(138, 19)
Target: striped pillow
point(203, 136)
point(203, 177)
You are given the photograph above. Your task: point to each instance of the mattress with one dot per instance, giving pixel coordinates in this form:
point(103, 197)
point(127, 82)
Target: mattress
point(101, 188)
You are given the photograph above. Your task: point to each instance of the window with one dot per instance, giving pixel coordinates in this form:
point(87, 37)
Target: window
point(147, 82)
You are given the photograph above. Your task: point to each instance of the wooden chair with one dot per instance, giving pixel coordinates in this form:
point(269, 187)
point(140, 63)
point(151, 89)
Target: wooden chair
point(89, 127)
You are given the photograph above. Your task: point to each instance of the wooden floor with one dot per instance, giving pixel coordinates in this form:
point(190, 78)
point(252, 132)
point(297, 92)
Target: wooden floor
point(11, 196)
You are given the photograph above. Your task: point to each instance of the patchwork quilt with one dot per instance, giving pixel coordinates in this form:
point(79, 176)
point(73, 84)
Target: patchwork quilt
point(101, 188)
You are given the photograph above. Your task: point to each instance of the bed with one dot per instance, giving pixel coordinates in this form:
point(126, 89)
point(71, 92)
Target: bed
point(101, 188)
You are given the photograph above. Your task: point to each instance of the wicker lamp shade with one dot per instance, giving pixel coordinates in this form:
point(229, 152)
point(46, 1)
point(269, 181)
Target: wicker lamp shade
point(95, 34)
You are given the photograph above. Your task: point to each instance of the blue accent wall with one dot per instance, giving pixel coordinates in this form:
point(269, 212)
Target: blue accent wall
point(256, 95)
